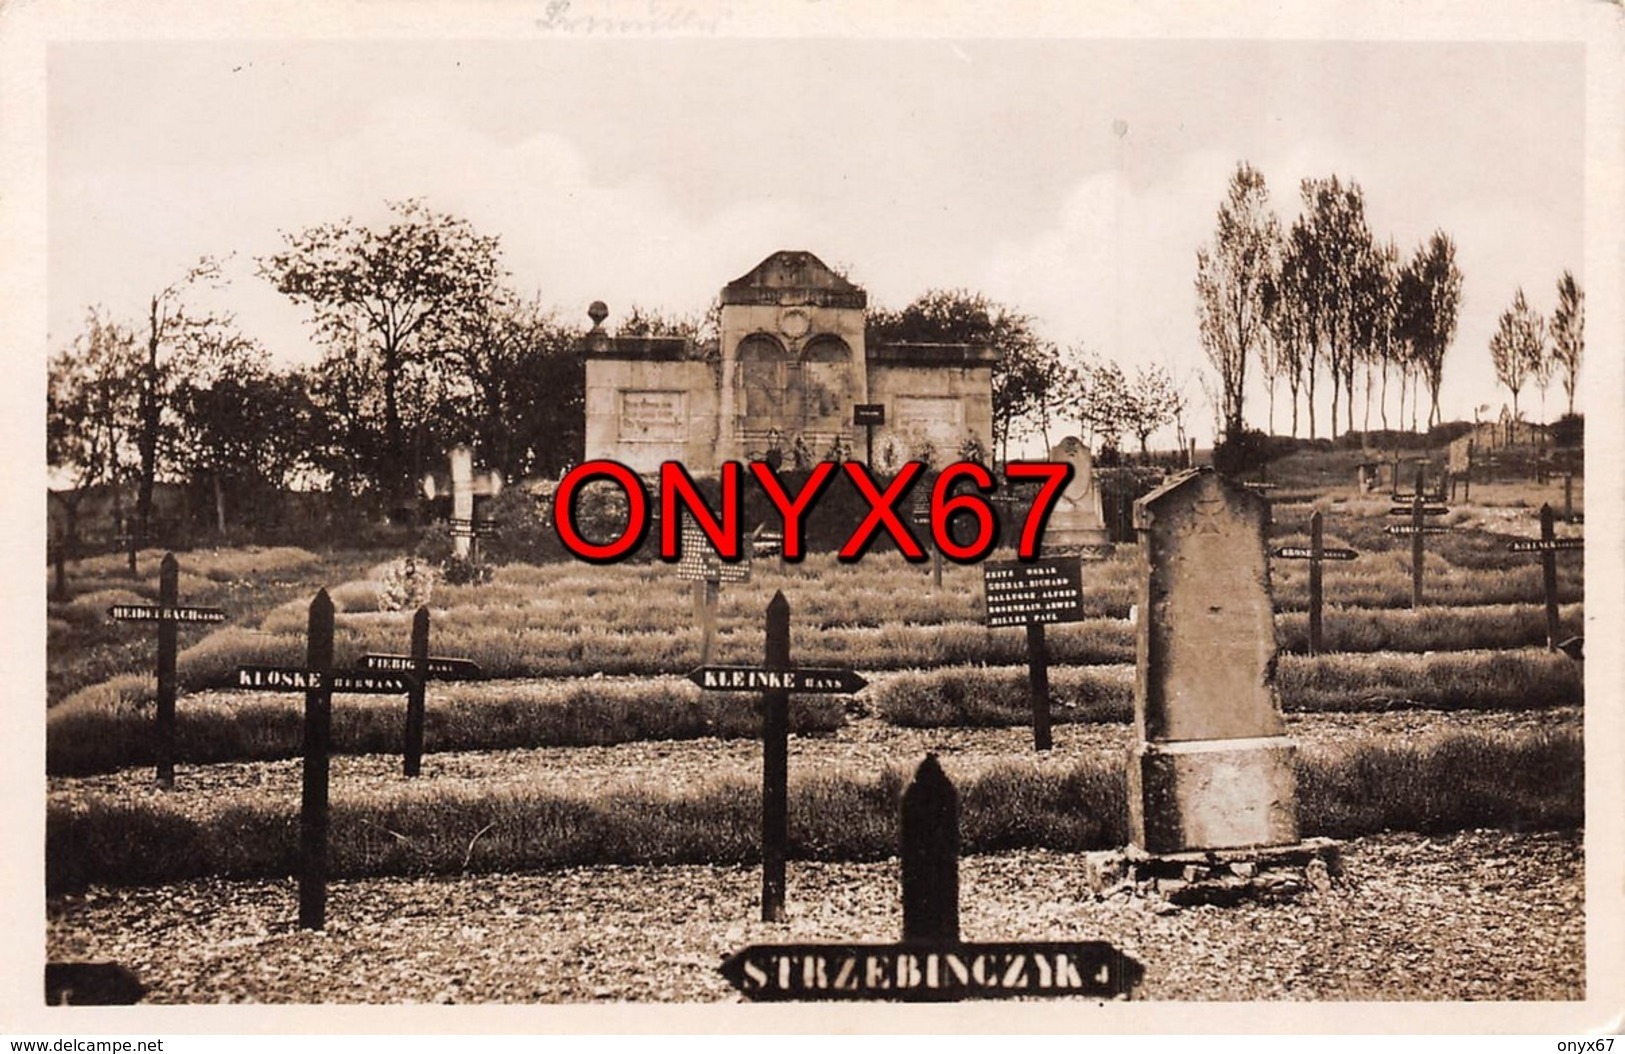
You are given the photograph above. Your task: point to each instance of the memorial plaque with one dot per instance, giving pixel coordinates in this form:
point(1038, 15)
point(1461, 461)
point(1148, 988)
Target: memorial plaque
point(1022, 594)
point(653, 417)
point(1411, 528)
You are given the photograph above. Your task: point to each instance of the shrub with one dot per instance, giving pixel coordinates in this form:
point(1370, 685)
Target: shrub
point(464, 571)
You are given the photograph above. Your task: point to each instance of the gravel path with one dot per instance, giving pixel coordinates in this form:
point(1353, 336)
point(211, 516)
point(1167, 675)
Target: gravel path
point(1481, 915)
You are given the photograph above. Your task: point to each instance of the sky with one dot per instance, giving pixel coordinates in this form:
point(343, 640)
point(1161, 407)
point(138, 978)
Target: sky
point(1073, 180)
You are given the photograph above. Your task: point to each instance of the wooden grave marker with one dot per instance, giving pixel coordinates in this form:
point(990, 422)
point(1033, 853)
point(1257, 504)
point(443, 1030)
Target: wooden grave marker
point(1548, 546)
point(776, 678)
point(701, 565)
point(1315, 554)
point(424, 668)
point(1417, 529)
point(168, 613)
point(931, 963)
point(319, 681)
point(1034, 594)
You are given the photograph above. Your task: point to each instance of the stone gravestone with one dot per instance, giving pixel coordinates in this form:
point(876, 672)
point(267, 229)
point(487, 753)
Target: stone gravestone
point(1212, 791)
point(1077, 525)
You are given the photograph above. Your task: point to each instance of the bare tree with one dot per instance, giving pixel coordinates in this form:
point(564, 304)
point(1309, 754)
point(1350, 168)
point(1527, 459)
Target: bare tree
point(1516, 346)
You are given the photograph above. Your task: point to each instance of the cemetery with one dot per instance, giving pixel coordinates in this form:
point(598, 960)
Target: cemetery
point(1284, 738)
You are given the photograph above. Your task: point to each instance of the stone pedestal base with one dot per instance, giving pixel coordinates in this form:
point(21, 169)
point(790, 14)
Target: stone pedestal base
point(1212, 794)
point(1221, 877)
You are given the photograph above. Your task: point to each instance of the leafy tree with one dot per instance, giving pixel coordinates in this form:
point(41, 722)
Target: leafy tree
point(1231, 277)
point(1301, 312)
point(385, 302)
point(180, 342)
point(1335, 223)
point(1568, 332)
point(1375, 304)
point(246, 432)
point(1435, 302)
point(1287, 320)
point(1024, 376)
point(90, 411)
point(1516, 348)
point(523, 397)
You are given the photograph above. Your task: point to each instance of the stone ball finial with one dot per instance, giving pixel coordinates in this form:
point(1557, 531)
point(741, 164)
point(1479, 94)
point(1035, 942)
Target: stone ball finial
point(598, 311)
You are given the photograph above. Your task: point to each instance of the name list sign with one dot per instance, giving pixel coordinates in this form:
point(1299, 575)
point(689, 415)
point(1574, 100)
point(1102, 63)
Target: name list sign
point(909, 972)
point(1021, 594)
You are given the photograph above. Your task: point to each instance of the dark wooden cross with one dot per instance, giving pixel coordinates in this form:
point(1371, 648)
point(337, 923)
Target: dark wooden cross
point(1548, 546)
point(169, 614)
point(319, 681)
point(1316, 553)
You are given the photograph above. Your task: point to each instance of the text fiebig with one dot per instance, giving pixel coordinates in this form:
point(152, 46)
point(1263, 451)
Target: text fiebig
point(723, 534)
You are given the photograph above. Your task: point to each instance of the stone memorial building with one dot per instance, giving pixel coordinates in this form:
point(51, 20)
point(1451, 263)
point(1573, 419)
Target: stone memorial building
point(791, 365)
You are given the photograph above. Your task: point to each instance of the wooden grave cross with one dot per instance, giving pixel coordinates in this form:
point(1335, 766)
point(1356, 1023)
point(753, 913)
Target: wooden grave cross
point(1315, 554)
point(1417, 529)
point(1034, 593)
point(424, 668)
point(701, 565)
point(931, 963)
point(776, 678)
point(169, 614)
point(1548, 546)
point(319, 681)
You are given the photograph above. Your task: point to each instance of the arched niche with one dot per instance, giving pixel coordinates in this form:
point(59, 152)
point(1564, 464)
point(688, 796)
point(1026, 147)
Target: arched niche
point(826, 383)
point(765, 370)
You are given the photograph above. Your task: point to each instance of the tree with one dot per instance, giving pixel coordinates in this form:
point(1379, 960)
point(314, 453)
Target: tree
point(246, 433)
point(179, 342)
point(1301, 312)
point(1231, 277)
point(1377, 320)
point(1286, 316)
point(1023, 376)
point(1516, 346)
point(1334, 223)
point(90, 411)
point(523, 399)
point(1152, 401)
point(384, 301)
point(1098, 396)
point(1436, 301)
point(1568, 332)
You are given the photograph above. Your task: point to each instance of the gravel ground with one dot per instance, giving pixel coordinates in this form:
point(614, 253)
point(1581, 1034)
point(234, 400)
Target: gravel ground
point(1482, 915)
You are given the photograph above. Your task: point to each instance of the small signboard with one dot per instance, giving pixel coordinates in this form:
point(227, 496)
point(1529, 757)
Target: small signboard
point(1546, 545)
point(1411, 528)
point(440, 668)
point(1303, 552)
point(804, 679)
point(351, 682)
point(700, 563)
point(1042, 591)
point(1427, 510)
point(916, 972)
point(164, 613)
point(869, 414)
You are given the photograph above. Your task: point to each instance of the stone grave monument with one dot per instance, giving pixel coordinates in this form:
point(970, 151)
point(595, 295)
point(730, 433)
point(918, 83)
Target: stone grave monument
point(1212, 793)
point(1077, 524)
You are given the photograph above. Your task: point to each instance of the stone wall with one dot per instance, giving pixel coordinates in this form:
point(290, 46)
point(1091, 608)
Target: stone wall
point(641, 412)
